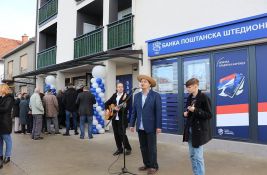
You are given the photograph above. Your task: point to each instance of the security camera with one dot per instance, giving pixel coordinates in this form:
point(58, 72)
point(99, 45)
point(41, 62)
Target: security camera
point(135, 67)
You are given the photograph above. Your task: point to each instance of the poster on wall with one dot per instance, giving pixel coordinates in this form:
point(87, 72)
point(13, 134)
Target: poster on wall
point(232, 108)
point(261, 58)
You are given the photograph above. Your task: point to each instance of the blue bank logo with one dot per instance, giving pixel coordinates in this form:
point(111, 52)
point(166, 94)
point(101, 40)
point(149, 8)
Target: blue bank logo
point(156, 47)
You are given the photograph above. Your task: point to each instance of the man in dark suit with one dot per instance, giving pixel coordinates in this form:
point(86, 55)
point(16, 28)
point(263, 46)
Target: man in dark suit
point(85, 101)
point(71, 109)
point(147, 115)
point(118, 98)
point(197, 131)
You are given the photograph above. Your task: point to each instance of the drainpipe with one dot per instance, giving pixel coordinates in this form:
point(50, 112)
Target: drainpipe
point(35, 48)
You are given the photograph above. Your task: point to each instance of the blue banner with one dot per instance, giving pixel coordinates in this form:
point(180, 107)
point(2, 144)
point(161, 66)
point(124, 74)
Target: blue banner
point(261, 58)
point(231, 32)
point(232, 109)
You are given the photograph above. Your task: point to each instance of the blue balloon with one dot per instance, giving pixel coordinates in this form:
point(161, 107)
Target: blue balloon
point(92, 89)
point(103, 90)
point(99, 81)
point(95, 131)
point(93, 127)
point(102, 122)
point(95, 113)
point(102, 86)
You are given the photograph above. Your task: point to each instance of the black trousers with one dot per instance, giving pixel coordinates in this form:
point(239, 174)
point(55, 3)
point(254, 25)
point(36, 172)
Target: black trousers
point(148, 146)
point(118, 135)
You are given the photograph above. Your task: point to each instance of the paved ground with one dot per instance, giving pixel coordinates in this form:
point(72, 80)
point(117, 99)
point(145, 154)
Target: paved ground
point(58, 155)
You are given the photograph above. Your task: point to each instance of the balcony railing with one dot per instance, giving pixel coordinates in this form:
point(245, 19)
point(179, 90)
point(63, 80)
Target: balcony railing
point(120, 33)
point(47, 57)
point(89, 43)
point(48, 10)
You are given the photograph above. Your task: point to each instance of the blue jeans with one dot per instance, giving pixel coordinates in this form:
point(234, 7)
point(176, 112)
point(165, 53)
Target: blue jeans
point(196, 156)
point(82, 123)
point(74, 118)
point(7, 139)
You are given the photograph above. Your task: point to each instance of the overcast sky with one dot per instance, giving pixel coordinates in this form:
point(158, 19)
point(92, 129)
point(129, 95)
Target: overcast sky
point(17, 17)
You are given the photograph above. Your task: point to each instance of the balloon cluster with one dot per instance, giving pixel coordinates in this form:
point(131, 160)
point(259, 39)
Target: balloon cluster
point(50, 83)
point(98, 89)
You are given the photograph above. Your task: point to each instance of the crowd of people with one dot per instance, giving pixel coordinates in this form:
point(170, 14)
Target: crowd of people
point(47, 112)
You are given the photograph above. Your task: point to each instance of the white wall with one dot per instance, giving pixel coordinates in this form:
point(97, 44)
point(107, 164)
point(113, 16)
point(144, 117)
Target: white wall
point(66, 30)
point(157, 18)
point(128, 69)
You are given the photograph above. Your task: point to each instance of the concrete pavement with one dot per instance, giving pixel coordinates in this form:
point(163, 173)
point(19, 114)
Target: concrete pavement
point(58, 155)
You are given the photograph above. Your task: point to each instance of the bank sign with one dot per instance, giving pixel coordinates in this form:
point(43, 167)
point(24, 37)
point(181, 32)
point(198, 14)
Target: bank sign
point(235, 31)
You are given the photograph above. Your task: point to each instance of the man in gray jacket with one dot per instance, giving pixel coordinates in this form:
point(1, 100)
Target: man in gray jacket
point(51, 111)
point(37, 108)
point(85, 101)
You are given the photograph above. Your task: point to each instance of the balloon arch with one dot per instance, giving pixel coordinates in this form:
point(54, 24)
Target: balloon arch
point(98, 89)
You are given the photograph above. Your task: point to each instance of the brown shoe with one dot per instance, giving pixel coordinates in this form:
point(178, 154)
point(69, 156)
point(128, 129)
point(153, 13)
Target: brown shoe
point(143, 168)
point(152, 171)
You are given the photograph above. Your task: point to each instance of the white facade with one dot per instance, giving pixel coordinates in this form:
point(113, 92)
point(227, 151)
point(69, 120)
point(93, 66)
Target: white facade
point(152, 19)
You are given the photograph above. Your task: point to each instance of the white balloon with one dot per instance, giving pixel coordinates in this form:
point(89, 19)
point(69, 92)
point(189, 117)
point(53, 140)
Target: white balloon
point(94, 118)
point(98, 109)
point(98, 90)
point(95, 122)
point(103, 98)
point(103, 81)
point(95, 105)
point(98, 126)
point(101, 131)
point(52, 86)
point(101, 94)
point(50, 80)
point(95, 85)
point(99, 72)
point(93, 80)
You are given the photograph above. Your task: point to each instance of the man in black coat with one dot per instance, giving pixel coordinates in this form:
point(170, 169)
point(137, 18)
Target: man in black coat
point(85, 101)
point(69, 99)
point(118, 126)
point(197, 130)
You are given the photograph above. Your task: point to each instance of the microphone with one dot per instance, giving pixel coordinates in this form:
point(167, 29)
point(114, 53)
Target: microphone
point(135, 88)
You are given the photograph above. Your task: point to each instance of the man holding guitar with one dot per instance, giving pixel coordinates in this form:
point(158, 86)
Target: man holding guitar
point(116, 99)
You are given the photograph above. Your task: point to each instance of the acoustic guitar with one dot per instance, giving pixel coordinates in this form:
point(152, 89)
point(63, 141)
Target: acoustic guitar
point(112, 112)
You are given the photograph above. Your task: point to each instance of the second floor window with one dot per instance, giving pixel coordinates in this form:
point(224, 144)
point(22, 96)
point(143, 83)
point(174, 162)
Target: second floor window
point(23, 62)
point(10, 69)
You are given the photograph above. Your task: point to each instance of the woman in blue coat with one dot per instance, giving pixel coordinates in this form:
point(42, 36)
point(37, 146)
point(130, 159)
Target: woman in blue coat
point(23, 112)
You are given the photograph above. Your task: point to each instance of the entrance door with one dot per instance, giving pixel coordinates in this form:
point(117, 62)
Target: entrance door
point(127, 81)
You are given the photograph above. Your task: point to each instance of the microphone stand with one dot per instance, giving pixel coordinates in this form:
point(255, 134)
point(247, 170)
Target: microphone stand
point(123, 105)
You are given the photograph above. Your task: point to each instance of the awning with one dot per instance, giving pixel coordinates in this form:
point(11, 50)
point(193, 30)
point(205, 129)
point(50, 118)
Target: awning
point(91, 60)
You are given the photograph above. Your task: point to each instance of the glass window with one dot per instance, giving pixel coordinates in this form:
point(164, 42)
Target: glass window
point(198, 67)
point(23, 62)
point(10, 70)
point(166, 74)
point(23, 89)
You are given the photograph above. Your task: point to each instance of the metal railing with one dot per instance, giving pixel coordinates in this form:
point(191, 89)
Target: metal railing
point(48, 10)
point(89, 43)
point(120, 33)
point(47, 57)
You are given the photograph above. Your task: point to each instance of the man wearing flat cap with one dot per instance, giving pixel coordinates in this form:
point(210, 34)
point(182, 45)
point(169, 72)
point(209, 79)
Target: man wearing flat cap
point(147, 115)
